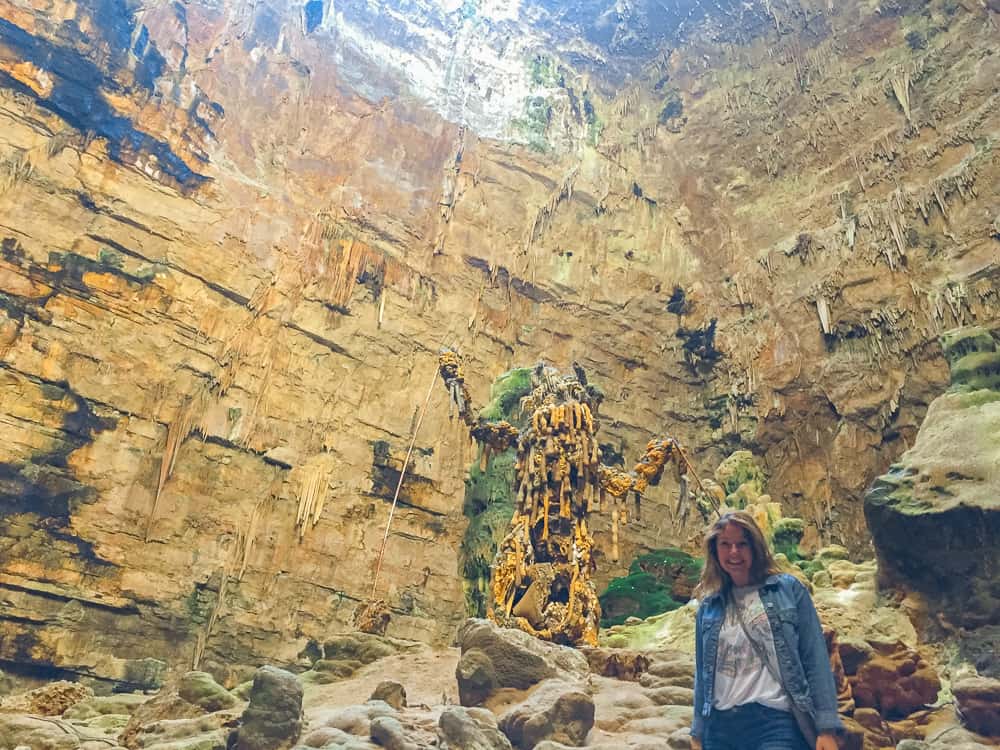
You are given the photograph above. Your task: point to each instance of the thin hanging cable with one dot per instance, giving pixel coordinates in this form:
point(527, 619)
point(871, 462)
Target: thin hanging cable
point(399, 484)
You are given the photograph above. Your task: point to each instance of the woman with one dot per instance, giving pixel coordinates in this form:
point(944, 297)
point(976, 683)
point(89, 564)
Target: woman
point(761, 665)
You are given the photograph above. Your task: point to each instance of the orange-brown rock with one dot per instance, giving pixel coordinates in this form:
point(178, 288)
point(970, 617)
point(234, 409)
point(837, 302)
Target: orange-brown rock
point(977, 702)
point(50, 700)
point(845, 697)
point(895, 681)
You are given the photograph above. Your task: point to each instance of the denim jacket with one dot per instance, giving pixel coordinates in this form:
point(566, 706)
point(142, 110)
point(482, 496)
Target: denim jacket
point(798, 643)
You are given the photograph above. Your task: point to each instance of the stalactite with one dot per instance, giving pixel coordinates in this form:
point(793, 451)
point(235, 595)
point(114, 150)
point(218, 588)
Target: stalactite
point(178, 430)
point(544, 214)
point(246, 537)
point(900, 83)
point(314, 486)
point(823, 308)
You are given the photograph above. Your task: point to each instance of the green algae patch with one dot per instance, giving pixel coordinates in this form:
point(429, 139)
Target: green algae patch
point(506, 395)
point(787, 535)
point(659, 581)
point(489, 494)
point(740, 469)
point(489, 506)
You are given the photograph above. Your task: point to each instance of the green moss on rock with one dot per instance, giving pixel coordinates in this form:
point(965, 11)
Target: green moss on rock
point(658, 581)
point(980, 370)
point(740, 469)
point(489, 501)
point(787, 535)
point(636, 595)
point(506, 395)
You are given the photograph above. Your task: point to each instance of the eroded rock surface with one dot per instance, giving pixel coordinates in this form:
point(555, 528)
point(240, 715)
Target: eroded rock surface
point(944, 493)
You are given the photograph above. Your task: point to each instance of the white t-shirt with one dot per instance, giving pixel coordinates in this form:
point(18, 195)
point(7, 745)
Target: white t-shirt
point(740, 676)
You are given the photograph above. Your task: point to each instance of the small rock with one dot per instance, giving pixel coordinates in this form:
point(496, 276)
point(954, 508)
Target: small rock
point(50, 700)
point(555, 711)
point(620, 663)
point(329, 737)
point(273, 719)
point(392, 693)
point(201, 689)
point(977, 703)
point(680, 740)
point(387, 732)
point(470, 729)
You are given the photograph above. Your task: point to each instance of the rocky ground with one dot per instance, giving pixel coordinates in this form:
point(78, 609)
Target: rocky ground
point(500, 689)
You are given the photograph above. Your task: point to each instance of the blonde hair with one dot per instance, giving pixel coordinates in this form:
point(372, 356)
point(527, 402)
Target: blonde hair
point(713, 577)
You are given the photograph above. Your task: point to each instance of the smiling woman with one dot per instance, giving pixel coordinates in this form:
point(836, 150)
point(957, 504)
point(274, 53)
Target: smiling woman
point(735, 554)
point(762, 674)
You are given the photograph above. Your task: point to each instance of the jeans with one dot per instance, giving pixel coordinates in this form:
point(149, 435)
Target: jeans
point(752, 727)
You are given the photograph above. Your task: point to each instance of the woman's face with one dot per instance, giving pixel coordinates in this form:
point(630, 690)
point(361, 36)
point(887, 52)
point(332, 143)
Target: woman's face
point(734, 553)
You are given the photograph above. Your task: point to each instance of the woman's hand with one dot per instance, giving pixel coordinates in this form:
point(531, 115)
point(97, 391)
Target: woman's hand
point(696, 744)
point(823, 742)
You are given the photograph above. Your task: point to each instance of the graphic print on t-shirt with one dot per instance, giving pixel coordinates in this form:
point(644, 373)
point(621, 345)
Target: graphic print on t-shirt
point(736, 655)
point(741, 677)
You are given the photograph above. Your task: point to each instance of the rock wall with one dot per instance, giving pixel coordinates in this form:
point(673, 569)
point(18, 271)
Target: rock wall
point(234, 238)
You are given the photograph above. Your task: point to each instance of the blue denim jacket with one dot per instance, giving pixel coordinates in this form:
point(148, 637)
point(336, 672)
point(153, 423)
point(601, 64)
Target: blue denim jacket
point(798, 643)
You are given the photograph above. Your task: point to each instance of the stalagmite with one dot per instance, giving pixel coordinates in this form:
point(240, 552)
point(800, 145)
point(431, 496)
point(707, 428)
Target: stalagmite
point(559, 481)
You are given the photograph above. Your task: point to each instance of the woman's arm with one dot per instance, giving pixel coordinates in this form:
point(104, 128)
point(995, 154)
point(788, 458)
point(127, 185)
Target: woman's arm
point(816, 664)
point(699, 686)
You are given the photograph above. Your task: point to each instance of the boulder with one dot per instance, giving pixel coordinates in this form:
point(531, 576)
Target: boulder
point(556, 711)
point(166, 705)
point(977, 703)
point(895, 680)
point(201, 689)
point(391, 692)
point(335, 739)
point(495, 657)
point(356, 720)
point(388, 732)
point(476, 677)
point(273, 719)
point(470, 729)
point(944, 493)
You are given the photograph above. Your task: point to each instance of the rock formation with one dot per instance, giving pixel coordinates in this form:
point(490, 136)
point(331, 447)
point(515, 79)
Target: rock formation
point(935, 516)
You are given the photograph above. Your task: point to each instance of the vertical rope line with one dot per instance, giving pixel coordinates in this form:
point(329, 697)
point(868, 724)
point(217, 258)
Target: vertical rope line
point(399, 484)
